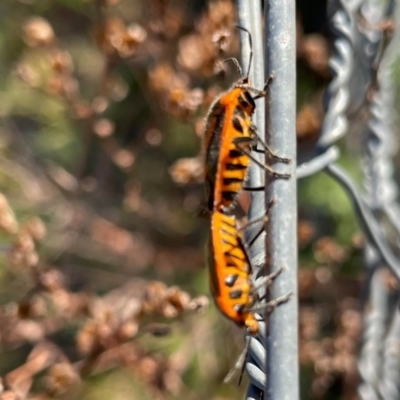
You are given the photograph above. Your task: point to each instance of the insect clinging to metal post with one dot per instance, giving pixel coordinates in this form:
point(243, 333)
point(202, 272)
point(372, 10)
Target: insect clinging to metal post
point(229, 138)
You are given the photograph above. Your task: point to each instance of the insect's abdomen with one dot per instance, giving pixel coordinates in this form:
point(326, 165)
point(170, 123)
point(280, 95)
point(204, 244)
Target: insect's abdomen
point(234, 166)
point(229, 270)
point(228, 127)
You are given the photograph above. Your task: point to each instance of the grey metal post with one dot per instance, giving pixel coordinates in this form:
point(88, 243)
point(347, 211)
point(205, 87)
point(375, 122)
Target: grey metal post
point(375, 316)
point(282, 329)
point(389, 386)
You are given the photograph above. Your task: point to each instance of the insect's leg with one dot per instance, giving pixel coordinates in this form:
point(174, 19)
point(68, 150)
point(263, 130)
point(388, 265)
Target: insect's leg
point(267, 279)
point(266, 148)
point(271, 305)
point(253, 188)
point(264, 218)
point(240, 363)
point(256, 221)
point(262, 93)
point(237, 65)
point(246, 140)
point(203, 211)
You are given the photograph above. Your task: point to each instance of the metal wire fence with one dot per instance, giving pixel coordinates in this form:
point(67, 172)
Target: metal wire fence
point(365, 51)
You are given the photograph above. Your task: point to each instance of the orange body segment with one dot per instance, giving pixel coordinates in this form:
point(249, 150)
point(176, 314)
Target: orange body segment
point(230, 277)
point(228, 132)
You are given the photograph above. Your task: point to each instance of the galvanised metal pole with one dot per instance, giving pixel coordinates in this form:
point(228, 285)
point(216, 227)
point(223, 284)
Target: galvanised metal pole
point(376, 307)
point(282, 330)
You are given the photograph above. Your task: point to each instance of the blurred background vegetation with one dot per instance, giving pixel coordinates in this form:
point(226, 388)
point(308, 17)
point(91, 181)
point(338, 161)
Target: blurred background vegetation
point(103, 285)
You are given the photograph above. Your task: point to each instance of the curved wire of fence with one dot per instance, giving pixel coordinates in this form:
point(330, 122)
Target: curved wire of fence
point(341, 63)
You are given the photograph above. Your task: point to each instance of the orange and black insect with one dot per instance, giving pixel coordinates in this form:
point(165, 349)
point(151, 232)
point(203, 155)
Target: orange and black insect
point(230, 272)
point(231, 283)
point(229, 138)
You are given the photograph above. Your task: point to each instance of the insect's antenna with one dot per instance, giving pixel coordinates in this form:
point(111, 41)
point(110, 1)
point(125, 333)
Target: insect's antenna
point(251, 48)
point(237, 65)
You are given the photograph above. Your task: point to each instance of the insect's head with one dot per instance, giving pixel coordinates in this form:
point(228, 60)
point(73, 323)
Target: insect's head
point(244, 80)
